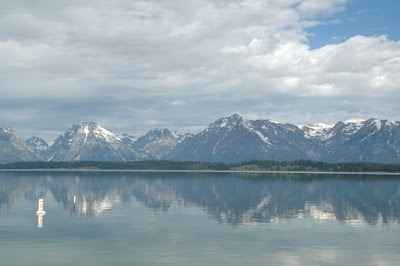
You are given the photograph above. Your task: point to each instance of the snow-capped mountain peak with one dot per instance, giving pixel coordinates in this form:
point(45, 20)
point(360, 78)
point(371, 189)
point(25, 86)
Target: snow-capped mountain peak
point(224, 123)
point(90, 141)
point(234, 139)
point(95, 130)
point(159, 142)
point(37, 143)
point(227, 124)
point(353, 125)
point(157, 134)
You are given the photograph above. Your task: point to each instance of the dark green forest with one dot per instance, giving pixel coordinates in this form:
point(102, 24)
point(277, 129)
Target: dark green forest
point(257, 165)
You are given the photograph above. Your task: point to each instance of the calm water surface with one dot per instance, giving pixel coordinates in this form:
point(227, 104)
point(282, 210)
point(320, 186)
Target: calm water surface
point(198, 219)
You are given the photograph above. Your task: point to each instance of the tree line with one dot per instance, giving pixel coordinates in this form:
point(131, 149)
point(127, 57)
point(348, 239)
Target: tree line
point(297, 165)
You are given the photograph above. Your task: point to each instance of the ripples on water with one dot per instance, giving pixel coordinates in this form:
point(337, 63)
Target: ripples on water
point(199, 219)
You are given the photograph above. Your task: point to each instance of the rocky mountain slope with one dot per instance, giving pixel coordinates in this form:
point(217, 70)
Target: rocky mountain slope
point(159, 143)
point(14, 149)
point(89, 141)
point(38, 144)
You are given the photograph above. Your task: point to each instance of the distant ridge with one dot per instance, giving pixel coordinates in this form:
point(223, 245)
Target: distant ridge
point(14, 149)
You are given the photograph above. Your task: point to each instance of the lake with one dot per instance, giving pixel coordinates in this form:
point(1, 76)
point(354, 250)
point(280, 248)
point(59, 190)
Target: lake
point(140, 218)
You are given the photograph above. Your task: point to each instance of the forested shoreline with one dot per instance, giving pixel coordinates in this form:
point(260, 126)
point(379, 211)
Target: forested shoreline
point(257, 165)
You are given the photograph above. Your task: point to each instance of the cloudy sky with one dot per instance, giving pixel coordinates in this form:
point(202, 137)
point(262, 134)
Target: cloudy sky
point(137, 65)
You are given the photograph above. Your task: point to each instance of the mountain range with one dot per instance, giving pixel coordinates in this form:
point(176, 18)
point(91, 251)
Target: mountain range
point(228, 140)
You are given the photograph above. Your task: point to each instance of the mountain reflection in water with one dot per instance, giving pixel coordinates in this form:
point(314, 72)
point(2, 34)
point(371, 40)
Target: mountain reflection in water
point(228, 198)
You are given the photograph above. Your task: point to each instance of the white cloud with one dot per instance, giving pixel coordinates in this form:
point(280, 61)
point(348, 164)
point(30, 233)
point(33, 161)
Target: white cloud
point(204, 58)
point(313, 7)
point(359, 65)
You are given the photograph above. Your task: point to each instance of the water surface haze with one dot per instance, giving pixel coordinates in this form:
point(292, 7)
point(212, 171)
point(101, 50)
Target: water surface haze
point(122, 218)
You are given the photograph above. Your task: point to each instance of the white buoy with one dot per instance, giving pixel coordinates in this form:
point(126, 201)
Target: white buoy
point(40, 209)
point(40, 213)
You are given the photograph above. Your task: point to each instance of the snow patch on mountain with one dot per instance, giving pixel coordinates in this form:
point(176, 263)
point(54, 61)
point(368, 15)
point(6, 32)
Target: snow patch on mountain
point(318, 130)
point(247, 124)
point(378, 124)
point(7, 130)
point(86, 130)
point(353, 125)
point(358, 121)
point(223, 123)
point(370, 134)
point(180, 137)
point(175, 134)
point(263, 138)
